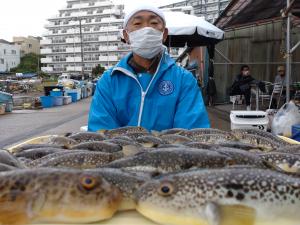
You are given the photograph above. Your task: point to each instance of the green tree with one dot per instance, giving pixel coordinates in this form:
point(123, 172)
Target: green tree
point(98, 70)
point(29, 64)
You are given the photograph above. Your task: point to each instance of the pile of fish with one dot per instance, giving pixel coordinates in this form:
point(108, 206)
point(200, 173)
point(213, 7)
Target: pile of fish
point(176, 176)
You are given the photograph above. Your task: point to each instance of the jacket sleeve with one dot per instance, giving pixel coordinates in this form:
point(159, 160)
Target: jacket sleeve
point(190, 109)
point(102, 113)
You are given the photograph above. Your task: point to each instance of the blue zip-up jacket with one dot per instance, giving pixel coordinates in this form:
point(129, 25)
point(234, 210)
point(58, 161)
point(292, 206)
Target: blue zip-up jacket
point(171, 100)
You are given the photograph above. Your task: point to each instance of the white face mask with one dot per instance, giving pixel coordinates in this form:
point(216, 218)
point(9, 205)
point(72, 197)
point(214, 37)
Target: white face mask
point(146, 42)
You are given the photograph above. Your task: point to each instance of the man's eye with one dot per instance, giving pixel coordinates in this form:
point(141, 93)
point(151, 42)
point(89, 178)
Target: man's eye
point(154, 22)
point(137, 24)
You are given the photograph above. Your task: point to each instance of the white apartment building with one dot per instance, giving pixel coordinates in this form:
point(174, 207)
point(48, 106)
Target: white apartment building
point(210, 9)
point(9, 56)
point(84, 34)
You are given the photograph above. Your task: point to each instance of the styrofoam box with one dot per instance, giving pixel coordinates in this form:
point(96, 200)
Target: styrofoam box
point(249, 120)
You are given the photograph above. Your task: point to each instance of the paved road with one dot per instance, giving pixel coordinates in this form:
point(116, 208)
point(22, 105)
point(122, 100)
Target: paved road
point(219, 118)
point(24, 124)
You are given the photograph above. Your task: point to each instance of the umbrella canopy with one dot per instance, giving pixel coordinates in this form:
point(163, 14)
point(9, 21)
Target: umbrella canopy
point(191, 31)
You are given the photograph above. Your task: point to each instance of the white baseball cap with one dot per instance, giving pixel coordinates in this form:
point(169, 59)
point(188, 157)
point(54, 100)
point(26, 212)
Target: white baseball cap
point(150, 8)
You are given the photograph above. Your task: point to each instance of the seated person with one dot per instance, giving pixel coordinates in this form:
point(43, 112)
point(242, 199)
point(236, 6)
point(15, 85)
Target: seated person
point(242, 85)
point(280, 78)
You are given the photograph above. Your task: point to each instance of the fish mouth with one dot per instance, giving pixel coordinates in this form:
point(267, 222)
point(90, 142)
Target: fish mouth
point(167, 216)
point(81, 213)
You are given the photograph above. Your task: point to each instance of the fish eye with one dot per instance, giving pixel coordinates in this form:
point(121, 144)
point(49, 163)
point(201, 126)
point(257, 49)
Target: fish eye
point(88, 183)
point(230, 162)
point(166, 189)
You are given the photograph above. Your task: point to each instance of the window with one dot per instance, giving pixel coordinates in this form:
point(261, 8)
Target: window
point(90, 12)
point(91, 3)
point(14, 52)
point(88, 20)
point(29, 45)
point(1, 61)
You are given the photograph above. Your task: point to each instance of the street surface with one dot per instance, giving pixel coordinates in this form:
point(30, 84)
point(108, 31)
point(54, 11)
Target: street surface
point(21, 125)
point(24, 124)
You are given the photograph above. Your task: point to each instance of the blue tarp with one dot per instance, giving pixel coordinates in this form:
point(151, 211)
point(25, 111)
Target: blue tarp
point(26, 75)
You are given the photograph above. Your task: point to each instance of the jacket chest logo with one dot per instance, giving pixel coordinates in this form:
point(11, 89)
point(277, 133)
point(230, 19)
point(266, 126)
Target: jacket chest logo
point(166, 87)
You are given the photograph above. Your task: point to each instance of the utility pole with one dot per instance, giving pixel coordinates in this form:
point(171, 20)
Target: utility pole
point(81, 46)
point(288, 52)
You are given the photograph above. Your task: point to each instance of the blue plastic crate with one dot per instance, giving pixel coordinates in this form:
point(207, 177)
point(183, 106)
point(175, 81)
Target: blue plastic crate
point(4, 97)
point(56, 93)
point(47, 101)
point(73, 96)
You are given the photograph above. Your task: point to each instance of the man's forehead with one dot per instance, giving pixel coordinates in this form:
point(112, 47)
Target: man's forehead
point(145, 15)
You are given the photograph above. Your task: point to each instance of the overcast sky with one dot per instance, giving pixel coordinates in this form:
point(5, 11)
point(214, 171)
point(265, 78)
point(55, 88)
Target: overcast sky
point(28, 17)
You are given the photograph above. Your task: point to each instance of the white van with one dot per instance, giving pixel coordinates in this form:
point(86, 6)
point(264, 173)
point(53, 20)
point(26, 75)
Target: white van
point(64, 76)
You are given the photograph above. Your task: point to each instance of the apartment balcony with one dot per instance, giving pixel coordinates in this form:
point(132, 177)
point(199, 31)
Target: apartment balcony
point(210, 9)
point(111, 20)
point(74, 68)
point(72, 50)
point(108, 38)
point(108, 29)
point(108, 48)
point(73, 59)
point(50, 25)
point(47, 69)
point(108, 58)
point(73, 40)
point(46, 60)
point(46, 51)
point(112, 12)
point(46, 42)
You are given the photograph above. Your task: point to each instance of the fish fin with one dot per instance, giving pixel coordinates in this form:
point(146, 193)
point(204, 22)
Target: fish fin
point(282, 168)
point(155, 133)
point(130, 150)
point(237, 215)
point(272, 166)
point(149, 145)
point(286, 167)
point(102, 132)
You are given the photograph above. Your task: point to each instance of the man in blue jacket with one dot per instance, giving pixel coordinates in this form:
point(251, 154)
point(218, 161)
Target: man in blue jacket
point(146, 88)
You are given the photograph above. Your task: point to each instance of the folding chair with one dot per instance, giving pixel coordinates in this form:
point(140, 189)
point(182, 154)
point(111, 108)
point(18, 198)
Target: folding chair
point(277, 93)
point(266, 96)
point(236, 100)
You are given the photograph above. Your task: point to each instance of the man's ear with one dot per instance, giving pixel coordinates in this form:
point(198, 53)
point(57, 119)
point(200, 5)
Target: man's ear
point(166, 32)
point(126, 37)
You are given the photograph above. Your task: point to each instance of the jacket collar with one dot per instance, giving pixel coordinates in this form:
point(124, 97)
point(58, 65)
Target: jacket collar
point(165, 62)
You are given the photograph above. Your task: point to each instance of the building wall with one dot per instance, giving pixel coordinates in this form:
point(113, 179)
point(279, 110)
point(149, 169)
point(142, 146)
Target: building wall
point(9, 57)
point(261, 46)
point(210, 9)
point(28, 45)
point(100, 23)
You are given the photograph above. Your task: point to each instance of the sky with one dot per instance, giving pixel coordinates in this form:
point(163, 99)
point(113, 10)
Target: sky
point(28, 17)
